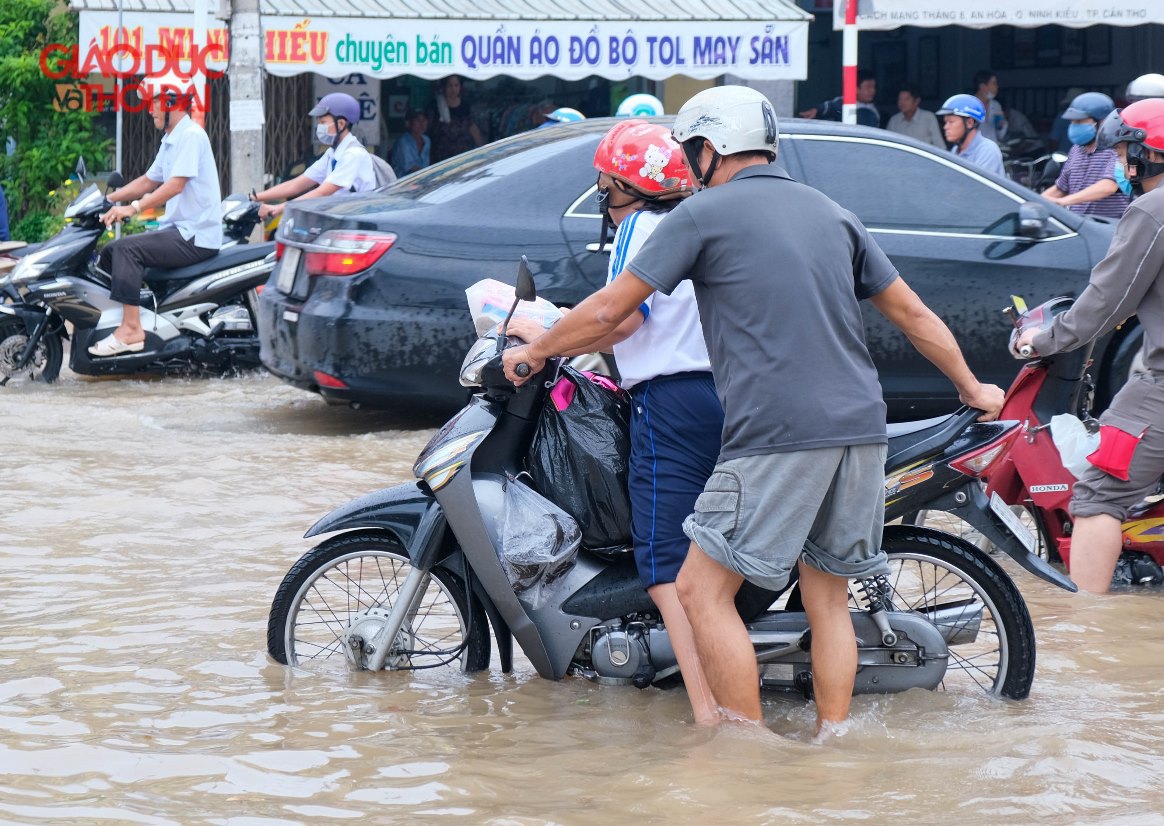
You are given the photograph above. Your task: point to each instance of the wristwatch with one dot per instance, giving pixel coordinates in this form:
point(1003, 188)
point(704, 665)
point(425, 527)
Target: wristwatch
point(136, 206)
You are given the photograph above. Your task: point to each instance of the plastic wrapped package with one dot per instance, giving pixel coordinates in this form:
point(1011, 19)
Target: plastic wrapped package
point(579, 458)
point(539, 541)
point(490, 300)
point(1074, 442)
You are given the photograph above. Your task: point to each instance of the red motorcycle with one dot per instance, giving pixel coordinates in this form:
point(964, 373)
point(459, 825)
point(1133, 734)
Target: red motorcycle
point(1032, 475)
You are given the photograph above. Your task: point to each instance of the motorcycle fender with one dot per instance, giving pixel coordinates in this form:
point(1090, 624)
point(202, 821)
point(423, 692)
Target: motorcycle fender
point(408, 512)
point(31, 316)
point(974, 508)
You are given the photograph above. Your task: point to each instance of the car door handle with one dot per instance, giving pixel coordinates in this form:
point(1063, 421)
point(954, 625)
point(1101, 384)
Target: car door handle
point(595, 247)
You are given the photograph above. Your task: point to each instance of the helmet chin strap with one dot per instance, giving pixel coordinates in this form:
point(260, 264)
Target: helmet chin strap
point(692, 149)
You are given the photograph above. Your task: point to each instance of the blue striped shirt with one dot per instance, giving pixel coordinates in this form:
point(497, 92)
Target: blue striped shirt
point(1085, 168)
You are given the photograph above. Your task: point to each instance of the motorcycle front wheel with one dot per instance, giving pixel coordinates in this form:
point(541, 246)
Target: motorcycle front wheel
point(45, 364)
point(341, 579)
point(971, 601)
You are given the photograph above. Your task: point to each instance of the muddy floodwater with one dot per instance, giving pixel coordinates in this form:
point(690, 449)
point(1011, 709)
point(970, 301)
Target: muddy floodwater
point(146, 525)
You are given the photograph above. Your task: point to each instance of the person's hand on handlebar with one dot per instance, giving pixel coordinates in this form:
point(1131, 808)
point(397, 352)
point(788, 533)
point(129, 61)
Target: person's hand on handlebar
point(985, 397)
point(1022, 346)
point(523, 327)
point(521, 355)
point(267, 210)
point(117, 214)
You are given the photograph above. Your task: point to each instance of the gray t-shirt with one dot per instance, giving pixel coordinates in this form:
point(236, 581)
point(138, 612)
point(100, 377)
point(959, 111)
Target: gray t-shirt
point(779, 271)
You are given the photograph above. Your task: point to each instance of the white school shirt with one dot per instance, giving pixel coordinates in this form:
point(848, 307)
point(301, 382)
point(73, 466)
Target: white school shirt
point(196, 211)
point(348, 166)
point(671, 338)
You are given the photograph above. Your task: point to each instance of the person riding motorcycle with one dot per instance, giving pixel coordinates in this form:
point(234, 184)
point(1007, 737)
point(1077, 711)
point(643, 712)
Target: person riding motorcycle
point(184, 177)
point(676, 417)
point(962, 116)
point(346, 165)
point(1087, 183)
point(1128, 281)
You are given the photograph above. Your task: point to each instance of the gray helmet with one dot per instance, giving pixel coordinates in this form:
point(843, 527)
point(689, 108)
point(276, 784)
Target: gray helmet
point(732, 118)
point(1145, 86)
point(1094, 105)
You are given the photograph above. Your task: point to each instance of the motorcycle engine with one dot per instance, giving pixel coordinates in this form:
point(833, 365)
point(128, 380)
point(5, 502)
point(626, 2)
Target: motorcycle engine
point(633, 653)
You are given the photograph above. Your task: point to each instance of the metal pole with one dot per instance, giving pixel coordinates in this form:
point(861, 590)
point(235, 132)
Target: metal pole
point(117, 106)
point(849, 63)
point(245, 75)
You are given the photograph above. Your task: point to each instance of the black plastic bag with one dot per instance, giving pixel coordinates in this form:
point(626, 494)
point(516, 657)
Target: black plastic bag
point(579, 457)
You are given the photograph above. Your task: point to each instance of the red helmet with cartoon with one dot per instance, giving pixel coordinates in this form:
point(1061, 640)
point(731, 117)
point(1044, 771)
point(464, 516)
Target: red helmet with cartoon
point(644, 157)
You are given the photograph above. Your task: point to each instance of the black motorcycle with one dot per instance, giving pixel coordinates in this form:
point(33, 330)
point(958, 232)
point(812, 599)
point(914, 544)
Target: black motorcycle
point(423, 570)
point(199, 318)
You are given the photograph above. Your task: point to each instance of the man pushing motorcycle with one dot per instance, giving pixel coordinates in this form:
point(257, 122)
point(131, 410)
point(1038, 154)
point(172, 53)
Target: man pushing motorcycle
point(184, 177)
point(779, 271)
point(1128, 281)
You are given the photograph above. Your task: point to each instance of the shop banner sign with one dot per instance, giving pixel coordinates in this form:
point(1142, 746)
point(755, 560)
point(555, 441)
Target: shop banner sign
point(477, 49)
point(880, 15)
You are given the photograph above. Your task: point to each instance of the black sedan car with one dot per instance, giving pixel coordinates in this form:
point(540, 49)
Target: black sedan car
point(367, 304)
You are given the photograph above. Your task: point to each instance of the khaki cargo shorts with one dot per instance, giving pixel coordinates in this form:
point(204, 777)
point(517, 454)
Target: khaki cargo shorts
point(1138, 408)
point(758, 514)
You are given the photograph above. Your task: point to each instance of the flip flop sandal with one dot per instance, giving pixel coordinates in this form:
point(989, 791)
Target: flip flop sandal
point(112, 346)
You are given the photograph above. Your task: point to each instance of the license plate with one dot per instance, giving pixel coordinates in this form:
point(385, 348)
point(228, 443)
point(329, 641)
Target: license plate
point(288, 267)
point(1011, 520)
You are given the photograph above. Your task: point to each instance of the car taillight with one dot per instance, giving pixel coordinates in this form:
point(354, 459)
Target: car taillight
point(351, 252)
point(326, 380)
point(980, 461)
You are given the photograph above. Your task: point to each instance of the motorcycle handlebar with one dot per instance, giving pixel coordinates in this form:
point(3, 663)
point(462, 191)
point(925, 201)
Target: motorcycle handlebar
point(522, 370)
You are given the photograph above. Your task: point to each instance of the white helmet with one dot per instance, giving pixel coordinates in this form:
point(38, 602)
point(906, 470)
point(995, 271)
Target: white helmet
point(733, 118)
point(640, 106)
point(170, 84)
point(1145, 86)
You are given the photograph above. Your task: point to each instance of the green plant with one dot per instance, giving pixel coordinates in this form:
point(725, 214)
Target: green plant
point(47, 142)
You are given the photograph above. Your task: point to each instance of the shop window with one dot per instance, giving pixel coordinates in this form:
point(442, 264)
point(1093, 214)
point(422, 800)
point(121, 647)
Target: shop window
point(891, 187)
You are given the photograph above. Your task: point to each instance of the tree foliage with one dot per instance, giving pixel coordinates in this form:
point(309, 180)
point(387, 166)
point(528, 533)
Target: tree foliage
point(48, 143)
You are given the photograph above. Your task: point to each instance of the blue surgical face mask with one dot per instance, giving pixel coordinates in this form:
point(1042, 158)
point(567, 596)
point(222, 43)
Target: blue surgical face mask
point(1121, 179)
point(322, 135)
point(1081, 134)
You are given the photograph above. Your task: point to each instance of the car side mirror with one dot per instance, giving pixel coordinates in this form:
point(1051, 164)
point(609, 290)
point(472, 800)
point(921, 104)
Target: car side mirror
point(1032, 220)
point(525, 289)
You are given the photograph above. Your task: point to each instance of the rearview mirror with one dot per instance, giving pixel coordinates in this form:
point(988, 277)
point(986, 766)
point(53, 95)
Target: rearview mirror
point(115, 182)
point(525, 289)
point(1032, 220)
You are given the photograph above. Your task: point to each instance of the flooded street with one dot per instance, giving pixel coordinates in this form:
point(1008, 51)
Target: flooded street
point(147, 525)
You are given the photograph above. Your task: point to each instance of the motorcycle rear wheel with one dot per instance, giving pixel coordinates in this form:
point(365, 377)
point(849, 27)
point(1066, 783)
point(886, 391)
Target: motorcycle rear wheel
point(46, 359)
point(346, 575)
point(929, 571)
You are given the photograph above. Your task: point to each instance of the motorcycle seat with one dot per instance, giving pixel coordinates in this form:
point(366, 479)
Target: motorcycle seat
point(895, 429)
point(224, 259)
point(911, 441)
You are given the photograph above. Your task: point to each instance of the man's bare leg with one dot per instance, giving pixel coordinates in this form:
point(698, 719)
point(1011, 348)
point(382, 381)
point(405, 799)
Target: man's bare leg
point(707, 591)
point(703, 703)
point(130, 331)
point(1096, 542)
point(834, 643)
